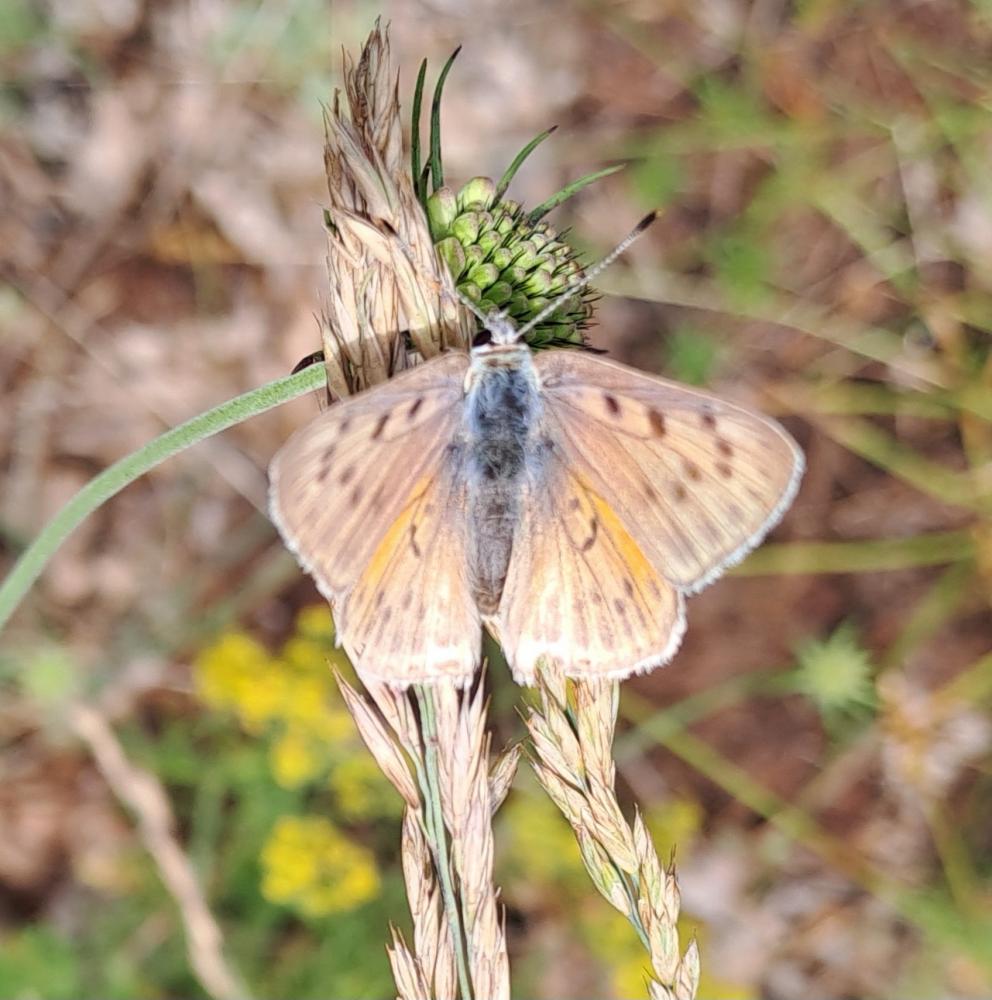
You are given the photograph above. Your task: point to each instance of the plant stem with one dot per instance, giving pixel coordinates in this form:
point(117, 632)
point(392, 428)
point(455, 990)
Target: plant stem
point(111, 481)
point(432, 796)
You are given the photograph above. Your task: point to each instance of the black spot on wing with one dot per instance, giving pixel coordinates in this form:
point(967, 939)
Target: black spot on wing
point(612, 404)
point(656, 421)
point(724, 447)
point(414, 407)
point(692, 470)
point(590, 540)
point(380, 425)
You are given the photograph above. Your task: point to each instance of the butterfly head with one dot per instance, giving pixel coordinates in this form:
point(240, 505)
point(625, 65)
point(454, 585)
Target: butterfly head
point(498, 343)
point(498, 330)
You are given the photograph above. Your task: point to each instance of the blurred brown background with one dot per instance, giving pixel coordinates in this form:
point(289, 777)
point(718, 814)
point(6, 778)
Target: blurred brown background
point(819, 750)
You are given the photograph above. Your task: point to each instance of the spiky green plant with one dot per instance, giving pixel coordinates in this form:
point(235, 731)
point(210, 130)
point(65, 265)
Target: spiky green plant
point(500, 255)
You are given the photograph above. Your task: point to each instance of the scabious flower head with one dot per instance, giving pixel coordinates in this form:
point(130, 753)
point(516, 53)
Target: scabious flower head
point(503, 260)
point(836, 673)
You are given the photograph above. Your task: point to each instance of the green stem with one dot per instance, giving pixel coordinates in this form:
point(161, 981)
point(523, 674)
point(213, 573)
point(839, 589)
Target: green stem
point(111, 481)
point(432, 796)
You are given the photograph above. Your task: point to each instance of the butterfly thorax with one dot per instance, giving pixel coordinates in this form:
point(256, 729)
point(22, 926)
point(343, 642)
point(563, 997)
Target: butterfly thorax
point(501, 409)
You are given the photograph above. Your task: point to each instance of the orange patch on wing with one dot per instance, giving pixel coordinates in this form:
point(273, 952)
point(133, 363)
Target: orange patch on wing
point(394, 537)
point(627, 551)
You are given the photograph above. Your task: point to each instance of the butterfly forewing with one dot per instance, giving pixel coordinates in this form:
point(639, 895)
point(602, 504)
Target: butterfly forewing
point(696, 481)
point(339, 483)
point(579, 590)
point(361, 495)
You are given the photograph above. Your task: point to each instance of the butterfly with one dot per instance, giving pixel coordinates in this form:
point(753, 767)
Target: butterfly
point(567, 502)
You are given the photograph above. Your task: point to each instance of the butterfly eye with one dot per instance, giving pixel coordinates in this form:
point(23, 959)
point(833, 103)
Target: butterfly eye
point(482, 337)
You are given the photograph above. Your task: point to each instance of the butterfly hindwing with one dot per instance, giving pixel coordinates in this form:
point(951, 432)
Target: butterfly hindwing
point(696, 481)
point(411, 617)
point(579, 590)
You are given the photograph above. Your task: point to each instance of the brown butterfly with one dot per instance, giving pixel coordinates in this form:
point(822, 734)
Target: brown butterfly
point(567, 502)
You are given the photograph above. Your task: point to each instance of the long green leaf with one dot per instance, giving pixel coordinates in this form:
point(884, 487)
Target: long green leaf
point(111, 481)
point(437, 170)
point(418, 100)
point(518, 160)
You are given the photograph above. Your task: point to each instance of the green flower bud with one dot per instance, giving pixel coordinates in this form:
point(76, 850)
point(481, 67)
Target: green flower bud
point(538, 282)
point(453, 254)
point(442, 207)
point(483, 275)
point(501, 260)
point(500, 292)
point(479, 191)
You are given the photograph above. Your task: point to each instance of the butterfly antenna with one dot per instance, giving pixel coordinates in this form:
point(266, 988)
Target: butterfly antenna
point(589, 275)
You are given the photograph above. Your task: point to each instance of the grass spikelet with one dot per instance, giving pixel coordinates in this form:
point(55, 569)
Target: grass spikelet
point(571, 729)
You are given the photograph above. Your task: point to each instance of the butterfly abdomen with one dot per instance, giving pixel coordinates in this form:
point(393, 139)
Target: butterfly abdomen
point(500, 413)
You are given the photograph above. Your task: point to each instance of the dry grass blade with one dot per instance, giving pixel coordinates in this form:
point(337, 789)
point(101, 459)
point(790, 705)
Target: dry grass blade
point(141, 791)
point(469, 789)
point(467, 794)
point(571, 730)
point(384, 275)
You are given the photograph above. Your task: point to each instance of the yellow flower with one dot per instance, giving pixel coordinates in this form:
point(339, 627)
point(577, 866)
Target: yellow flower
point(335, 727)
point(262, 698)
point(294, 758)
point(226, 668)
point(312, 866)
point(315, 622)
point(306, 656)
point(361, 790)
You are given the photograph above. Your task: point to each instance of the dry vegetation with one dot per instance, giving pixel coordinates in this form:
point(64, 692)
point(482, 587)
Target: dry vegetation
point(819, 751)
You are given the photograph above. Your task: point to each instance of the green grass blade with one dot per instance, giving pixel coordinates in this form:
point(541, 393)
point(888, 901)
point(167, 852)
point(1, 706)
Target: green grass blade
point(518, 160)
point(437, 170)
point(415, 167)
point(869, 556)
point(111, 481)
point(880, 448)
point(566, 192)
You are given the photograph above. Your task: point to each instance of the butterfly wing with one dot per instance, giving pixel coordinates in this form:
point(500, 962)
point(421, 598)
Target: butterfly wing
point(411, 617)
point(366, 499)
point(579, 589)
point(697, 481)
